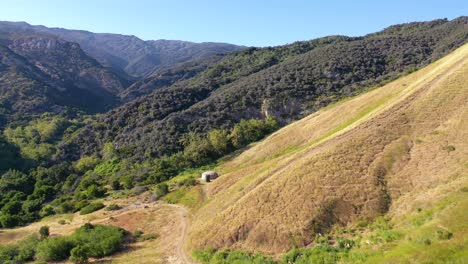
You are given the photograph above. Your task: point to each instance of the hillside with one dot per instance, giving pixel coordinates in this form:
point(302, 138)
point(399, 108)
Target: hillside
point(399, 150)
point(42, 73)
point(285, 82)
point(131, 55)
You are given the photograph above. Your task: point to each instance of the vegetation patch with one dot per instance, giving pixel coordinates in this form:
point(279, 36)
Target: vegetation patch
point(88, 241)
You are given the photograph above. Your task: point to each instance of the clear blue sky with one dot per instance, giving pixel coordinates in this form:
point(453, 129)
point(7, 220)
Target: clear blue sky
point(246, 22)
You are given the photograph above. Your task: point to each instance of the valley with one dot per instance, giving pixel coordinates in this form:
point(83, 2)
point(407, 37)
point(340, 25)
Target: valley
point(334, 150)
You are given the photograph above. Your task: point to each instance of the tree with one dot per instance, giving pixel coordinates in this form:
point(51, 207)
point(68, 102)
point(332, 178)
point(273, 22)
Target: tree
point(44, 232)
point(219, 139)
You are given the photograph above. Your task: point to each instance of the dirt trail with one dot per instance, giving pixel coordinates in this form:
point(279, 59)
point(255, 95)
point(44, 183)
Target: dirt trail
point(181, 256)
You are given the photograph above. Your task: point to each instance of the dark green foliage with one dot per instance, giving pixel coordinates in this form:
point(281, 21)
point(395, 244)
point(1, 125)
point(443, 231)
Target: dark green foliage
point(54, 249)
point(88, 241)
point(9, 155)
point(44, 232)
point(80, 254)
point(161, 190)
point(115, 185)
point(91, 208)
point(21, 252)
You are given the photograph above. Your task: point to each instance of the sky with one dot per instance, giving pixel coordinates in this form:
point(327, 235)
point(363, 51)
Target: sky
point(244, 22)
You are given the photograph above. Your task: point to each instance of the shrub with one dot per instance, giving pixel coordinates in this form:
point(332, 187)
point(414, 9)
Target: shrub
point(86, 163)
point(46, 211)
point(80, 254)
point(189, 182)
point(444, 234)
point(161, 190)
point(23, 251)
point(54, 249)
point(101, 240)
point(115, 185)
point(27, 248)
point(91, 208)
point(113, 207)
point(44, 232)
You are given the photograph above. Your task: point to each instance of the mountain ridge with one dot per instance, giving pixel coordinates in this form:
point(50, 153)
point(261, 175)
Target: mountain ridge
point(131, 55)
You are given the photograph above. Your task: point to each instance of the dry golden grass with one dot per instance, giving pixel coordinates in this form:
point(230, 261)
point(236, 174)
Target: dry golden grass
point(356, 159)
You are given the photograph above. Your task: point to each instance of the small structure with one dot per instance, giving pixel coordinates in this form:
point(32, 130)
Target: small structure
point(207, 176)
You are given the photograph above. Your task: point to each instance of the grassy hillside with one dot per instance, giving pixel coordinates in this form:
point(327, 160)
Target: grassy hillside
point(399, 150)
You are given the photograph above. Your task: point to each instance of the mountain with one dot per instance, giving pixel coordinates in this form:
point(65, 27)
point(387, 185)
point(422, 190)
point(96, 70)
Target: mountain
point(166, 76)
point(398, 150)
point(42, 73)
point(131, 55)
point(285, 82)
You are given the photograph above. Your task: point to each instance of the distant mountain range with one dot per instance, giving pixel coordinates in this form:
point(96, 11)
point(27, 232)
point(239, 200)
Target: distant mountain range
point(129, 54)
point(58, 70)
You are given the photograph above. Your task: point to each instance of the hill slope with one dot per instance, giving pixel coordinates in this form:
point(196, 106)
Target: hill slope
point(42, 73)
point(387, 151)
point(285, 82)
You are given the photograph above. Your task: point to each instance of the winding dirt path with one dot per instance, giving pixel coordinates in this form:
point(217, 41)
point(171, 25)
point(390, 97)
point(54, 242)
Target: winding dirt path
point(181, 256)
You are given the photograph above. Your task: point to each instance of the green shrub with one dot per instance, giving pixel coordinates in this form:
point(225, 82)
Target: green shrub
point(189, 182)
point(27, 248)
point(86, 163)
point(44, 232)
point(54, 249)
point(113, 207)
point(80, 254)
point(23, 251)
point(161, 190)
point(444, 234)
point(91, 208)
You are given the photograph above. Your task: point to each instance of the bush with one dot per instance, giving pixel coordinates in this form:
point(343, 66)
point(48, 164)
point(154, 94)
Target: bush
point(115, 185)
point(27, 248)
point(44, 232)
point(189, 182)
point(161, 190)
point(101, 240)
point(113, 207)
point(91, 208)
point(444, 234)
point(86, 163)
point(54, 249)
point(23, 251)
point(80, 254)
